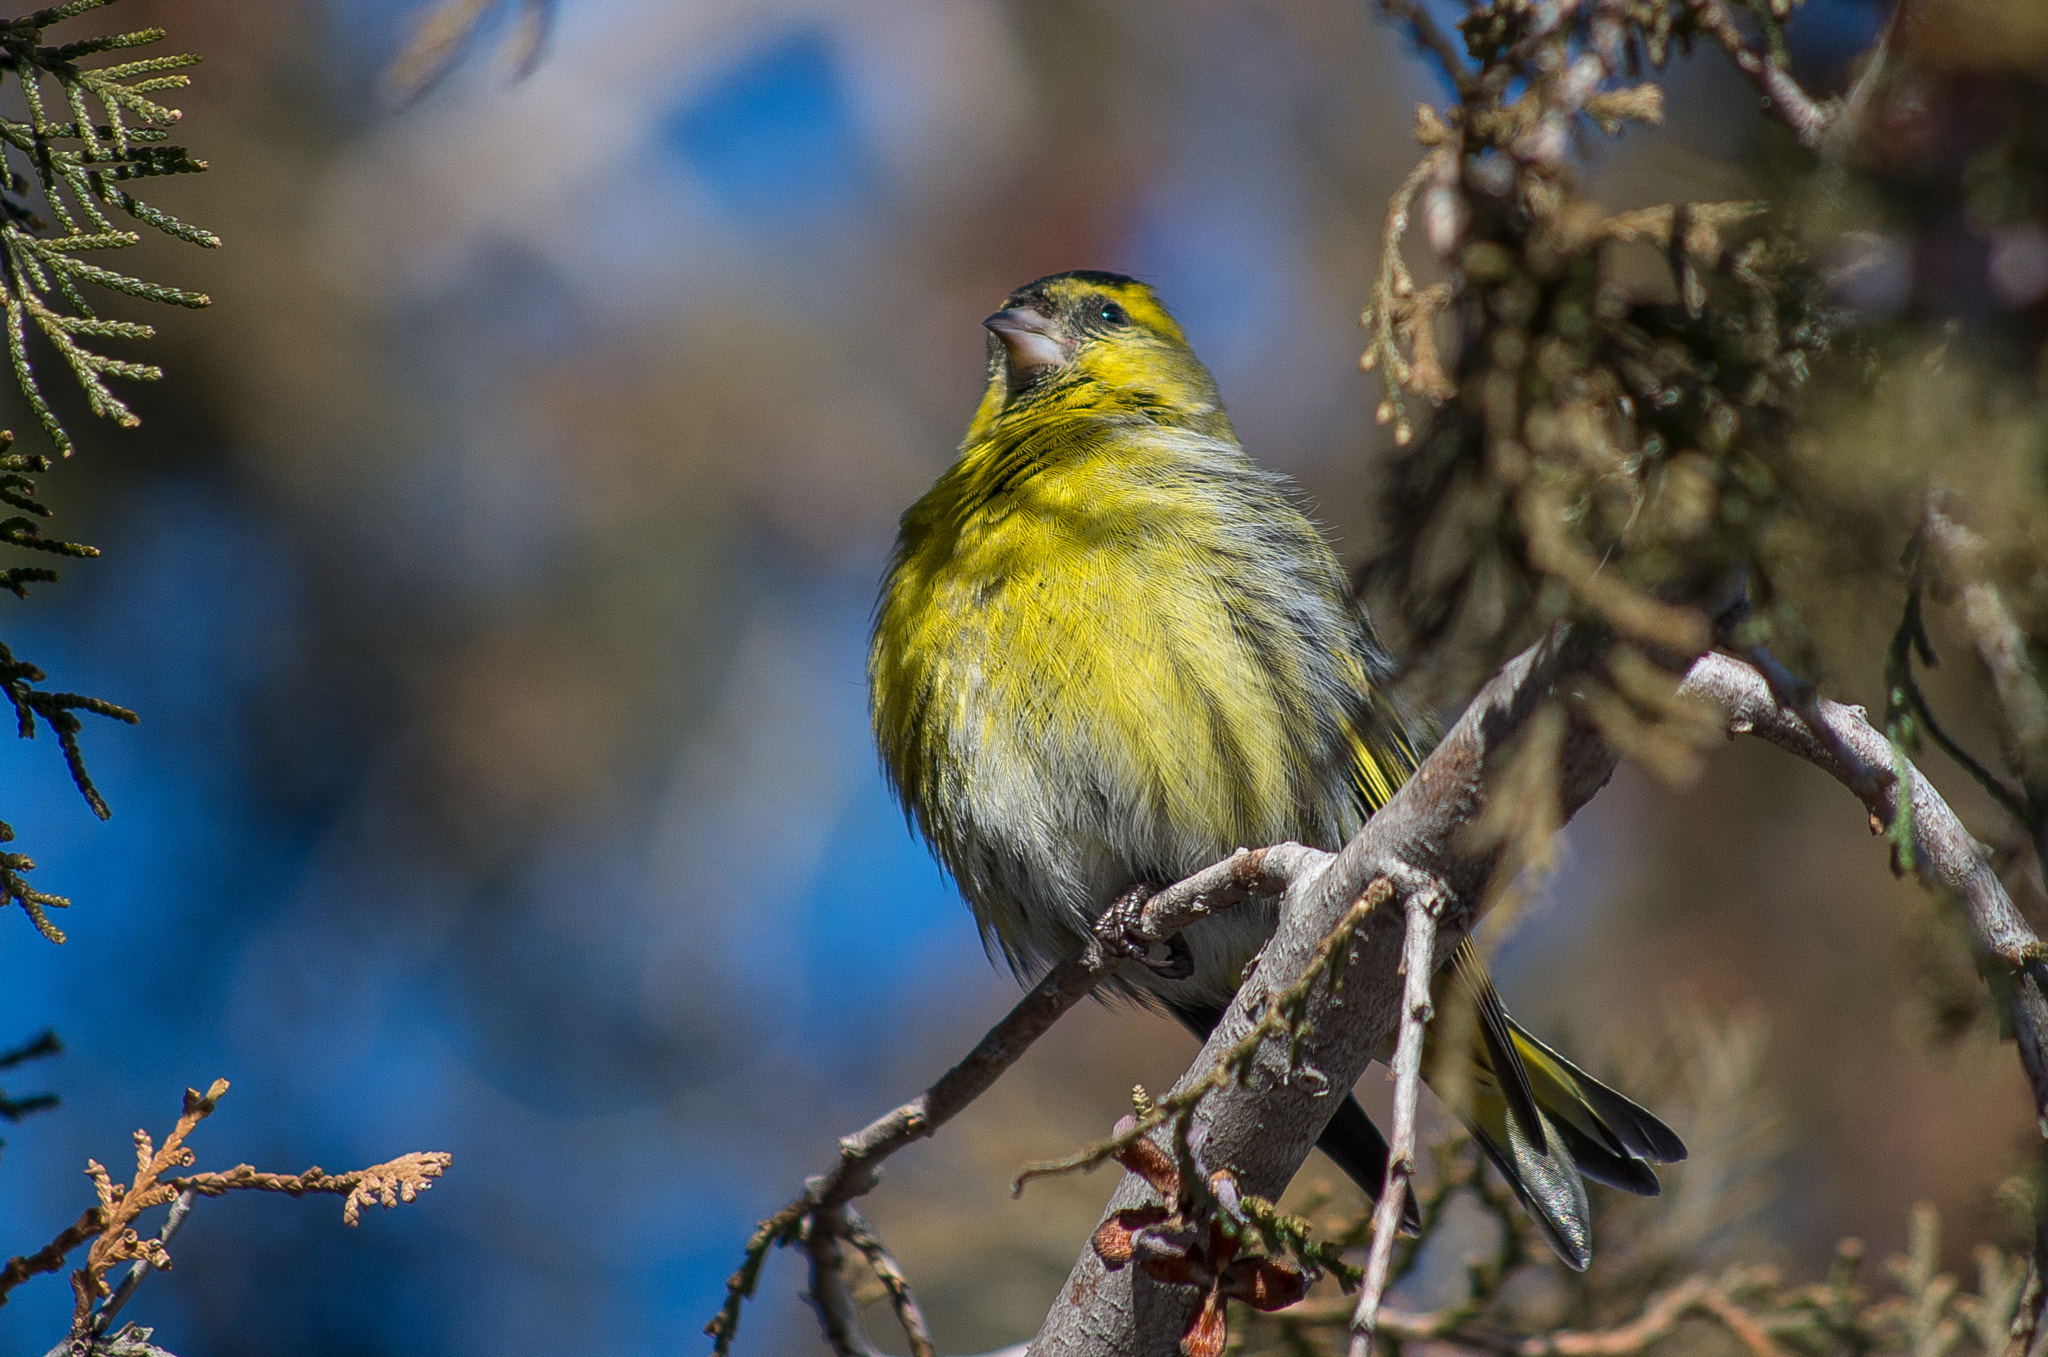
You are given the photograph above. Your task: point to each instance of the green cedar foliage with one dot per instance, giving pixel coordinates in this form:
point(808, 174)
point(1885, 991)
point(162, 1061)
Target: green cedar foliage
point(69, 176)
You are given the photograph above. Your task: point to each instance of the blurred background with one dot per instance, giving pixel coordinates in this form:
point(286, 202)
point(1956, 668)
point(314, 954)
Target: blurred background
point(492, 574)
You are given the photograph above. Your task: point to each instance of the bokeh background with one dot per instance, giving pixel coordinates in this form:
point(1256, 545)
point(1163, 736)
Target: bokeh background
point(492, 573)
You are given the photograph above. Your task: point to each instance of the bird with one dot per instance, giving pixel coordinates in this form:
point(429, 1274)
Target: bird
point(1110, 649)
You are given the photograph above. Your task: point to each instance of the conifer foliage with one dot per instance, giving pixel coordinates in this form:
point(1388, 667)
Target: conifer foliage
point(95, 131)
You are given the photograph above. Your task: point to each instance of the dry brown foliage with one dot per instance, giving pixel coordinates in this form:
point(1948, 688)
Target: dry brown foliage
point(109, 1225)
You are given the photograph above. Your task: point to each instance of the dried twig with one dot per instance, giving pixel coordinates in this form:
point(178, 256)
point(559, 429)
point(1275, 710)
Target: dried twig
point(109, 1226)
point(1126, 930)
point(50, 1257)
point(1944, 855)
point(386, 1185)
point(180, 1209)
point(902, 1299)
point(2001, 646)
point(1418, 965)
point(117, 1241)
point(1809, 119)
point(1436, 42)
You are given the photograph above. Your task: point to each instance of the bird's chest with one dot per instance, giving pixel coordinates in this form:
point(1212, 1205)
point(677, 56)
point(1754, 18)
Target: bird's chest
point(1103, 710)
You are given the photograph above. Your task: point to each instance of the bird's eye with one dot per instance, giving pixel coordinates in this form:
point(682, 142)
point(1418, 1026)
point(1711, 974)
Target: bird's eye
point(1112, 314)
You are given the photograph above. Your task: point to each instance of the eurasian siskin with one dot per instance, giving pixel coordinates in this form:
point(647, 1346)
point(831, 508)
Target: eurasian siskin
point(1110, 650)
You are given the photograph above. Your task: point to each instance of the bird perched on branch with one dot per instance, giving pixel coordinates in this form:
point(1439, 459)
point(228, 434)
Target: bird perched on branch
point(1110, 650)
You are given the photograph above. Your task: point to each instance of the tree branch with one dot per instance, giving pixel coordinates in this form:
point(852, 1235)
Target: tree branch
point(909, 1313)
point(1254, 1128)
point(830, 1296)
point(1944, 855)
point(1438, 43)
point(2002, 648)
point(1259, 1128)
point(1418, 958)
point(1810, 120)
point(1141, 918)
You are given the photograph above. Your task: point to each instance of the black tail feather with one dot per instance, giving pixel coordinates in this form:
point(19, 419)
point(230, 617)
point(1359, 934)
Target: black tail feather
point(1355, 1145)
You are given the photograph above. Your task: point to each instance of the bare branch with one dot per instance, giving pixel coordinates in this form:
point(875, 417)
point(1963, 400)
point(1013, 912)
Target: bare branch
point(1250, 1128)
point(1437, 42)
point(1259, 1126)
point(1141, 918)
point(838, 1312)
point(2002, 647)
point(1418, 964)
point(1810, 120)
point(909, 1313)
point(1944, 855)
point(1795, 694)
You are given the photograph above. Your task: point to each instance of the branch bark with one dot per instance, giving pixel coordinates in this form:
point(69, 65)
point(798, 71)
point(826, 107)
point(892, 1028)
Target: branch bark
point(1810, 120)
point(1418, 958)
point(1261, 1128)
point(818, 1218)
point(1945, 856)
point(2002, 649)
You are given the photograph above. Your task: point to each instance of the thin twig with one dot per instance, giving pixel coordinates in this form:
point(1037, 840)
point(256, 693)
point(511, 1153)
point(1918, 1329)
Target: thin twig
point(1435, 41)
point(1741, 1323)
point(2002, 648)
point(1908, 700)
point(1140, 919)
point(2026, 1319)
point(1125, 930)
point(46, 1043)
point(902, 1299)
point(1800, 697)
point(180, 1209)
point(838, 1312)
point(1944, 855)
point(1280, 1017)
point(1418, 964)
point(51, 1256)
point(1661, 1313)
point(1810, 120)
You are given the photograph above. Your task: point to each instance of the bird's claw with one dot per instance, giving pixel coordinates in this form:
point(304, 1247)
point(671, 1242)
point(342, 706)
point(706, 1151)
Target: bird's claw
point(1170, 959)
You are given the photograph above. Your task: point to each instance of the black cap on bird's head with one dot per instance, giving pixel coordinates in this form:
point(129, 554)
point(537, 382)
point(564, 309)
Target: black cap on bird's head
point(1097, 340)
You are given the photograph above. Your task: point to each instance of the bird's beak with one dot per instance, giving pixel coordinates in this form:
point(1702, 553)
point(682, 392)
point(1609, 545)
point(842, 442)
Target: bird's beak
point(1032, 341)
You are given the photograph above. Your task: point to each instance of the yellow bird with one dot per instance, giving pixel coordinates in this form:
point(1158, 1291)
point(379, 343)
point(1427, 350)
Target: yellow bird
point(1110, 650)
